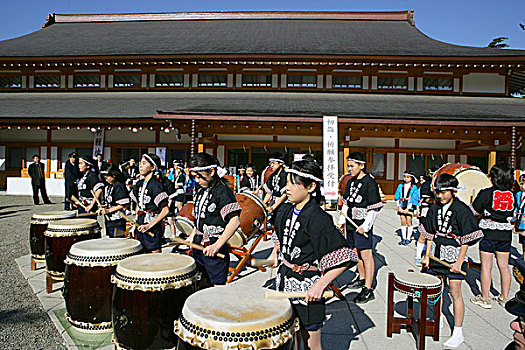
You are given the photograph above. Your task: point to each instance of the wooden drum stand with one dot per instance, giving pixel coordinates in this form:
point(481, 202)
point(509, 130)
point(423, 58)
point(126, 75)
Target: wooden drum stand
point(427, 289)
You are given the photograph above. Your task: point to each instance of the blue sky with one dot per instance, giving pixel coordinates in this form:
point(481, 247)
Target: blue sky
point(462, 22)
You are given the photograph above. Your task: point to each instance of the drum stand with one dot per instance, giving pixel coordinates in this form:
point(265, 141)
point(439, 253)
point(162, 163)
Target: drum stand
point(50, 280)
point(33, 263)
point(245, 255)
point(419, 328)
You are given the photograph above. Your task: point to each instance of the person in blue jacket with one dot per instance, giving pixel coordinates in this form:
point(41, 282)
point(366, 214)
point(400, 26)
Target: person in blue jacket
point(407, 199)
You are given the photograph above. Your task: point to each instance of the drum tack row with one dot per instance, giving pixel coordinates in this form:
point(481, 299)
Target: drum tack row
point(150, 301)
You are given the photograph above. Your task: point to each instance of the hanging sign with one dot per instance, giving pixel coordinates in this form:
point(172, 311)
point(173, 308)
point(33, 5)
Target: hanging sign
point(330, 156)
point(98, 143)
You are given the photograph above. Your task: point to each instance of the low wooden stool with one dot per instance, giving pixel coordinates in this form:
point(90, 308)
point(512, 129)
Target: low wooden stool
point(427, 289)
point(35, 260)
point(50, 280)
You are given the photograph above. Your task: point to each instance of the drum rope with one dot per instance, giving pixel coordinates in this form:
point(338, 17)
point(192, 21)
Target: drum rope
point(430, 301)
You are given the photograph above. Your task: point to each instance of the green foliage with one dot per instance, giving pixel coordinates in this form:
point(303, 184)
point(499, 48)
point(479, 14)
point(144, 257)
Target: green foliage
point(498, 43)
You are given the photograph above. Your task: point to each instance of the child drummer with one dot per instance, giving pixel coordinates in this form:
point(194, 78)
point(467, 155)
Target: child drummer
point(216, 213)
point(275, 187)
point(89, 182)
point(363, 201)
point(450, 228)
point(152, 203)
point(313, 250)
point(115, 197)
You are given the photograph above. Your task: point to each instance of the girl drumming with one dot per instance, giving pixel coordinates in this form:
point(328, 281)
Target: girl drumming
point(152, 203)
point(249, 182)
point(407, 199)
point(89, 182)
point(313, 250)
point(216, 213)
point(116, 198)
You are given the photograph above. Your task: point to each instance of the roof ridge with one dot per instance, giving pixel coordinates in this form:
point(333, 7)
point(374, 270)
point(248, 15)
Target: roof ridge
point(407, 15)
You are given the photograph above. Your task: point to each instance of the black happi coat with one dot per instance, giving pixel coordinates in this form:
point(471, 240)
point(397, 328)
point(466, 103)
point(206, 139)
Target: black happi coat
point(87, 183)
point(212, 211)
point(276, 184)
point(427, 199)
point(116, 194)
point(496, 208)
point(150, 197)
point(361, 196)
point(248, 183)
point(179, 187)
point(449, 232)
point(313, 241)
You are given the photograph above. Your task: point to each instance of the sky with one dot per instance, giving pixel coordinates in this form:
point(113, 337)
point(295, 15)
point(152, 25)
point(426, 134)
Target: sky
point(461, 22)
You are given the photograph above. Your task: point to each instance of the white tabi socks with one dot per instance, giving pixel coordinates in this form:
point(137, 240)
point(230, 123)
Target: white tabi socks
point(409, 232)
point(456, 339)
point(419, 249)
point(403, 232)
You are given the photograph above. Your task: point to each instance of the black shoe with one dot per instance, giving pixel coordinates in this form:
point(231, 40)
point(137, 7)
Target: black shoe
point(49, 203)
point(356, 283)
point(364, 296)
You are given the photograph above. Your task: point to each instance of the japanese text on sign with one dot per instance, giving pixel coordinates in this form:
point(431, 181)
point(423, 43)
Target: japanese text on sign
point(330, 156)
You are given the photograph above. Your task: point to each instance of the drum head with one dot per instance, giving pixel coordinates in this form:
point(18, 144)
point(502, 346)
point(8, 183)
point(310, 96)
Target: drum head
point(417, 279)
point(238, 239)
point(244, 315)
point(184, 225)
point(473, 180)
point(102, 251)
point(54, 215)
point(72, 227)
point(155, 272)
point(257, 200)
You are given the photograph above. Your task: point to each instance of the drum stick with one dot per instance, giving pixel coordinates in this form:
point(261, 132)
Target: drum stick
point(77, 202)
point(180, 241)
point(81, 215)
point(261, 262)
point(444, 263)
point(99, 204)
point(352, 222)
point(134, 223)
point(271, 294)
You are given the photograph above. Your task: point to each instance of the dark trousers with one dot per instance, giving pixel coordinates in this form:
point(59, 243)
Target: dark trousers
point(71, 190)
point(43, 193)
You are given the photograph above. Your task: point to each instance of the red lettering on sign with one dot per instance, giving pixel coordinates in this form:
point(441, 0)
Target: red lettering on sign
point(503, 201)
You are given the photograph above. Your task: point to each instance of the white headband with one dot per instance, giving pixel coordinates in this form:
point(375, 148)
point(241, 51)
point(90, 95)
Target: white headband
point(276, 160)
point(459, 188)
point(86, 161)
point(202, 168)
point(150, 160)
point(305, 175)
point(412, 175)
point(357, 161)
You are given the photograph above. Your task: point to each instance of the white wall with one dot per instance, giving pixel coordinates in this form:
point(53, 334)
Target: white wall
point(402, 165)
point(373, 142)
point(427, 144)
point(484, 82)
point(23, 135)
point(390, 165)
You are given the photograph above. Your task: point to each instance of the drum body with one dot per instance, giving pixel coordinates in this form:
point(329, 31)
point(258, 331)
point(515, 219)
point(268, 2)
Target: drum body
point(184, 220)
point(231, 181)
point(38, 226)
point(265, 175)
point(471, 180)
point(148, 296)
point(252, 218)
point(236, 317)
point(60, 236)
point(87, 282)
point(343, 180)
point(413, 283)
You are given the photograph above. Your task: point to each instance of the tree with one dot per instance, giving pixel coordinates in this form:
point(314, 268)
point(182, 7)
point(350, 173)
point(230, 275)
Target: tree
point(498, 43)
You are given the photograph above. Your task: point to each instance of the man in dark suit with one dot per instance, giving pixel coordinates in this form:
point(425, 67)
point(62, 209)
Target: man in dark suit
point(38, 180)
point(100, 162)
point(71, 175)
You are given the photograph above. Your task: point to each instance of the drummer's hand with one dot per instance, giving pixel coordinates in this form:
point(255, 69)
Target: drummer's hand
point(456, 267)
point(315, 292)
point(271, 208)
point(275, 260)
point(144, 228)
point(360, 230)
point(89, 207)
point(132, 231)
point(425, 261)
point(211, 250)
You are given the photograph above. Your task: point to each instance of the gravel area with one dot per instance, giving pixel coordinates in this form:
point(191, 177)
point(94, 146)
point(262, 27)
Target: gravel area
point(23, 322)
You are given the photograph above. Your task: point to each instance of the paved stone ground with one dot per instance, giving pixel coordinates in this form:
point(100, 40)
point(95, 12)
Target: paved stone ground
point(25, 325)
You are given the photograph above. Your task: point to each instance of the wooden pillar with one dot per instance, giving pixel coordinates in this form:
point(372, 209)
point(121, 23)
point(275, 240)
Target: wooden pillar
point(346, 152)
point(492, 158)
point(157, 135)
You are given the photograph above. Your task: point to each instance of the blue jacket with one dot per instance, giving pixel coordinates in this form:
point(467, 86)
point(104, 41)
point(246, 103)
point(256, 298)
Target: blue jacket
point(413, 196)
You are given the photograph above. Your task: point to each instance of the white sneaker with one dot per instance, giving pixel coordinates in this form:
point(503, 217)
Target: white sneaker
point(478, 300)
